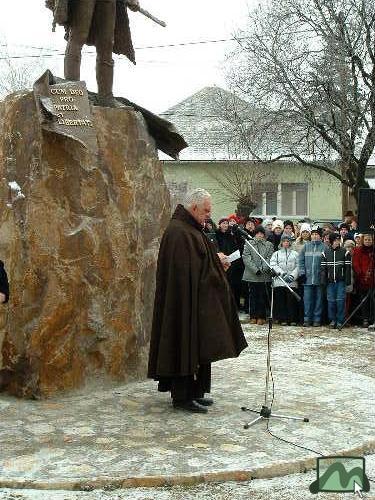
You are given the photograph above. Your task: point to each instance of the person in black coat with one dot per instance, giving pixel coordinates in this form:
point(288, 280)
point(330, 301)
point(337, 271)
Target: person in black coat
point(195, 321)
point(209, 229)
point(4, 285)
point(250, 225)
point(227, 243)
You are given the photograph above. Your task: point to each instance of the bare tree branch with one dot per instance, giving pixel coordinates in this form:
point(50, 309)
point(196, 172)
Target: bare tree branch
point(308, 67)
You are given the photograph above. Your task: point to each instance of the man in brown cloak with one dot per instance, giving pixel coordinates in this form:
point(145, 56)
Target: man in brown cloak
point(195, 318)
point(103, 23)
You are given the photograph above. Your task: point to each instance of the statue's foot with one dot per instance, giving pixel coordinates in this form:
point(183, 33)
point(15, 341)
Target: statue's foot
point(108, 102)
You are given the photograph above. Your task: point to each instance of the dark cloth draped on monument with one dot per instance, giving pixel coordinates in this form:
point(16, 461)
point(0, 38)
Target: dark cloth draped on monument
point(122, 37)
point(166, 137)
point(195, 319)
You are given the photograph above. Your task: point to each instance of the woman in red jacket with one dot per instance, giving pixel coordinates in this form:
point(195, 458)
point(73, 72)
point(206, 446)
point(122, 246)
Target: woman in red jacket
point(363, 266)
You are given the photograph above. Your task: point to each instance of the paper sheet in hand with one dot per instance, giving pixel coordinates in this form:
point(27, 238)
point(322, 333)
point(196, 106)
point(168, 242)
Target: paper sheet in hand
point(234, 256)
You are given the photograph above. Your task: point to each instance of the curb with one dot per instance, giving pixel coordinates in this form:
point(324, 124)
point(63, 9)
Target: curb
point(109, 483)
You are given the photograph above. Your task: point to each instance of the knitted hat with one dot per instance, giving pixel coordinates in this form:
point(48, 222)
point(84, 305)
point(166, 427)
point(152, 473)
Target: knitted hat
point(259, 229)
point(277, 223)
point(286, 237)
point(223, 219)
point(305, 227)
point(266, 222)
point(233, 217)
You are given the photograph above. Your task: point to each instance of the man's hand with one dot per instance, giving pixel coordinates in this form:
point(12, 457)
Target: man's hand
point(2, 297)
point(133, 5)
point(224, 261)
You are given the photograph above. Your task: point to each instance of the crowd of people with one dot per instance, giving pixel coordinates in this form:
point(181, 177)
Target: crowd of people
point(330, 266)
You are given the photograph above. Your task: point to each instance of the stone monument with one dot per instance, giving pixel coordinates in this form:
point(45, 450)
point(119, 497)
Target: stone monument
point(83, 206)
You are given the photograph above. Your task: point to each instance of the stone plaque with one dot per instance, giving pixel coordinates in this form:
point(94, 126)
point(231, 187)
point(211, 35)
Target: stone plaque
point(64, 108)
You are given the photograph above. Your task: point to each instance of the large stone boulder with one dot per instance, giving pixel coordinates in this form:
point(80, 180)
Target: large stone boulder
point(79, 235)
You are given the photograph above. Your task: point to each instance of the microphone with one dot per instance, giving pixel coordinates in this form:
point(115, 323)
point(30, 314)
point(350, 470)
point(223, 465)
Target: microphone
point(243, 233)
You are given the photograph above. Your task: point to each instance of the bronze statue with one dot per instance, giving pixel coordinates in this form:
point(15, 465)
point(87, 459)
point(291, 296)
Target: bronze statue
point(103, 23)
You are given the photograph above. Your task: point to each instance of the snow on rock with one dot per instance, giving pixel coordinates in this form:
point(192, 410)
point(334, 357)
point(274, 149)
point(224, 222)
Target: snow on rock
point(16, 191)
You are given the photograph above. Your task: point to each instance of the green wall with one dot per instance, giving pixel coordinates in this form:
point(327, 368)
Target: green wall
point(324, 191)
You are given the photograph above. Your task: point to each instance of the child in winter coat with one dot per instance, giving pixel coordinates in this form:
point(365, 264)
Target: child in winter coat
point(285, 263)
point(364, 281)
point(309, 275)
point(336, 274)
point(258, 275)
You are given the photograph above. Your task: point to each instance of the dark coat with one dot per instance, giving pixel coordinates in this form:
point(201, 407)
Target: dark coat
point(195, 317)
point(228, 243)
point(363, 266)
point(275, 239)
point(122, 38)
point(211, 236)
point(336, 265)
point(4, 285)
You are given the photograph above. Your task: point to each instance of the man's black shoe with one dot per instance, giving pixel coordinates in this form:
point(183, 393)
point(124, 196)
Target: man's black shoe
point(205, 401)
point(192, 406)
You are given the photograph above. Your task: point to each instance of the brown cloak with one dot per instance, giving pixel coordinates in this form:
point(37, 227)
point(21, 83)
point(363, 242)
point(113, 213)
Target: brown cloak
point(195, 317)
point(122, 39)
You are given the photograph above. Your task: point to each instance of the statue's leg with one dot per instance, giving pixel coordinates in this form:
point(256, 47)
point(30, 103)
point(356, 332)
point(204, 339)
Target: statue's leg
point(106, 10)
point(79, 31)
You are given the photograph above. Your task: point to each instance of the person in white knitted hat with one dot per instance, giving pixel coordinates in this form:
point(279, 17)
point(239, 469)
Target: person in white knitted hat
point(275, 236)
point(305, 232)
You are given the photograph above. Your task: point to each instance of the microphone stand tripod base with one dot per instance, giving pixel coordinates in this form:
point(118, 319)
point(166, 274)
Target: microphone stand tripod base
point(265, 414)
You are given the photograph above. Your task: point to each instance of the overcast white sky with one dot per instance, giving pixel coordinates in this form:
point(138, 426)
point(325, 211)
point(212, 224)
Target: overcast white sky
point(162, 76)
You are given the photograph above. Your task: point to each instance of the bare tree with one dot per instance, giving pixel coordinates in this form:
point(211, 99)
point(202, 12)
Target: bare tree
point(244, 186)
point(17, 73)
point(308, 66)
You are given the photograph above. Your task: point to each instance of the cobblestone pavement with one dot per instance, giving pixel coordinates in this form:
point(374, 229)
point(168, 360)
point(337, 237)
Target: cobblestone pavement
point(291, 487)
point(131, 436)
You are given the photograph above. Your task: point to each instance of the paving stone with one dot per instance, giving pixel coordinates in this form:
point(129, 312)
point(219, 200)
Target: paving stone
point(131, 435)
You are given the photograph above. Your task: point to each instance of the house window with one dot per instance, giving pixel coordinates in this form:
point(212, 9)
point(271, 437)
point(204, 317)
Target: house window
point(265, 195)
point(294, 199)
point(286, 199)
point(270, 202)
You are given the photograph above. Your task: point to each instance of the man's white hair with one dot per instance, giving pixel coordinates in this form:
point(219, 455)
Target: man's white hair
point(195, 197)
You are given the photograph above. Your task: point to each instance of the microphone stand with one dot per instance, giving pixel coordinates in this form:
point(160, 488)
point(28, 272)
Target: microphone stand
point(265, 413)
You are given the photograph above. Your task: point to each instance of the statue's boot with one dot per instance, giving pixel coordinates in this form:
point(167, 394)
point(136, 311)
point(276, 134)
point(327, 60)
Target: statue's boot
point(72, 66)
point(104, 78)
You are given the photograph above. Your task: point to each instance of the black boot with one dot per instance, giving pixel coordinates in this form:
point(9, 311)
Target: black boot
point(204, 401)
point(189, 405)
